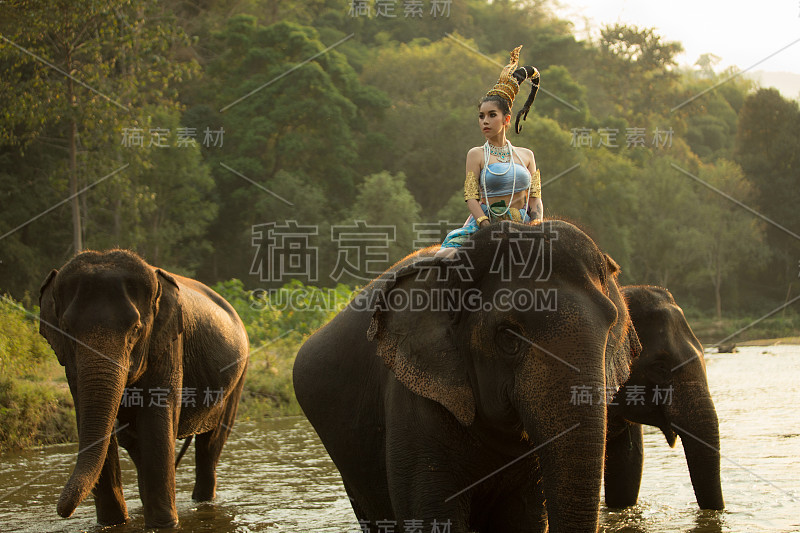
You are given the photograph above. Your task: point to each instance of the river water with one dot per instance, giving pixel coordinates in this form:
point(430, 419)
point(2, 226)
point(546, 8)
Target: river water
point(275, 475)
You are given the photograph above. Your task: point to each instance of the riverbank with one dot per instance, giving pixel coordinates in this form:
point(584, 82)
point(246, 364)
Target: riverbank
point(741, 330)
point(771, 342)
point(35, 404)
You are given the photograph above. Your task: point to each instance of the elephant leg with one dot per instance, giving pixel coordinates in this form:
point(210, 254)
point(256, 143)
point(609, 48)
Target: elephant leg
point(623, 469)
point(109, 501)
point(522, 510)
point(128, 440)
point(208, 448)
point(359, 512)
point(519, 514)
point(426, 499)
point(156, 467)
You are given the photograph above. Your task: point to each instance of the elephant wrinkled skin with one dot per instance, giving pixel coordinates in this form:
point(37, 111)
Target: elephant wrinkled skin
point(668, 389)
point(431, 414)
point(120, 326)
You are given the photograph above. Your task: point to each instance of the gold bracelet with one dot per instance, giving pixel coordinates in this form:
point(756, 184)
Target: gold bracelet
point(471, 187)
point(481, 219)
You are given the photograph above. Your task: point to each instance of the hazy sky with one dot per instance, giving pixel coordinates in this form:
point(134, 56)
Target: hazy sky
point(740, 33)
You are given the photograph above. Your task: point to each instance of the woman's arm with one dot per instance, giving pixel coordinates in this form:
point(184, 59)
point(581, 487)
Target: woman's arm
point(472, 190)
point(535, 205)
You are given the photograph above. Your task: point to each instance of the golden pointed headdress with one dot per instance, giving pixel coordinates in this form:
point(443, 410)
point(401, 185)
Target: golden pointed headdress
point(507, 86)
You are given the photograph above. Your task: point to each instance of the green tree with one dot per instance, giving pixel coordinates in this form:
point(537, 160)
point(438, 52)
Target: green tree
point(384, 204)
point(565, 100)
point(667, 235)
point(768, 151)
point(433, 119)
point(162, 205)
point(286, 104)
point(711, 114)
point(634, 75)
point(102, 56)
point(731, 241)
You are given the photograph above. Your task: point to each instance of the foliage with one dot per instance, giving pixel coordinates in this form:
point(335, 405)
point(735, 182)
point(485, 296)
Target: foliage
point(35, 404)
point(277, 324)
point(384, 202)
point(329, 118)
point(83, 71)
point(22, 349)
point(283, 115)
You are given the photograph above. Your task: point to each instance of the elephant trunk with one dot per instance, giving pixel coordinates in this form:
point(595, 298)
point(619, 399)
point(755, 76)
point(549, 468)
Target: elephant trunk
point(100, 385)
point(570, 443)
point(695, 420)
point(572, 467)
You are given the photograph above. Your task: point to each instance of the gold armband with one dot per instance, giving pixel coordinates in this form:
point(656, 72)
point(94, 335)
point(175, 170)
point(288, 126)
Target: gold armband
point(471, 188)
point(536, 185)
point(481, 219)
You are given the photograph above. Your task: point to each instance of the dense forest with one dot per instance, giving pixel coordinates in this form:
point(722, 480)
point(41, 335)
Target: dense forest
point(321, 140)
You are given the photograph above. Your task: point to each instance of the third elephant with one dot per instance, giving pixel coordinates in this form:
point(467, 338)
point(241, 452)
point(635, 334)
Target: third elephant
point(667, 389)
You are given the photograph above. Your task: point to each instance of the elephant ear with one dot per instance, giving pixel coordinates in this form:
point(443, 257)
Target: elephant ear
point(416, 340)
point(168, 324)
point(48, 320)
point(623, 342)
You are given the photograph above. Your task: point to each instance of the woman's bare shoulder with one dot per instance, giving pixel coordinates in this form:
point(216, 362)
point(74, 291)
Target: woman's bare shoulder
point(475, 154)
point(526, 155)
point(527, 151)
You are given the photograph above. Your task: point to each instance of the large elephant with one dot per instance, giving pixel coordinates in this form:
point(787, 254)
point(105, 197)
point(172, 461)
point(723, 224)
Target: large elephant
point(667, 389)
point(163, 355)
point(430, 395)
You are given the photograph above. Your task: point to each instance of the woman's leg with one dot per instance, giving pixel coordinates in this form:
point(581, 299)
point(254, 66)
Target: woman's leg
point(446, 252)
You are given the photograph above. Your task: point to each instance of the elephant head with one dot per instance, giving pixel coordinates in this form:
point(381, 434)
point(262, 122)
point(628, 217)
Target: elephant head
point(668, 389)
point(510, 327)
point(107, 316)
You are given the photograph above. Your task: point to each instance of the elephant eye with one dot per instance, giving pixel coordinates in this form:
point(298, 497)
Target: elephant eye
point(659, 371)
point(509, 340)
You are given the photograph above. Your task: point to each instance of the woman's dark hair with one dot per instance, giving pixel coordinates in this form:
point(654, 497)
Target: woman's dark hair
point(501, 102)
point(521, 74)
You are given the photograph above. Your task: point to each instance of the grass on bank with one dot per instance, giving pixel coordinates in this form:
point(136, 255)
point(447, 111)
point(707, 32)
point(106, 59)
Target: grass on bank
point(709, 330)
point(35, 404)
point(36, 407)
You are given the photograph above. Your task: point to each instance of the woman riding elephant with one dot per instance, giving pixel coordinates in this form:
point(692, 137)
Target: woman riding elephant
point(162, 355)
point(431, 392)
point(502, 181)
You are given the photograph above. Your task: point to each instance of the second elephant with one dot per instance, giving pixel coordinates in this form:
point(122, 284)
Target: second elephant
point(667, 389)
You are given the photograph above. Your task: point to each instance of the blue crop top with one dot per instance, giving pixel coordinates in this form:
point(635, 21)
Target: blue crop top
point(500, 180)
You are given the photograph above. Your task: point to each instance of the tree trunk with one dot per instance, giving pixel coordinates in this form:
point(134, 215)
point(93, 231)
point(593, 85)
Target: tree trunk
point(717, 295)
point(77, 240)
